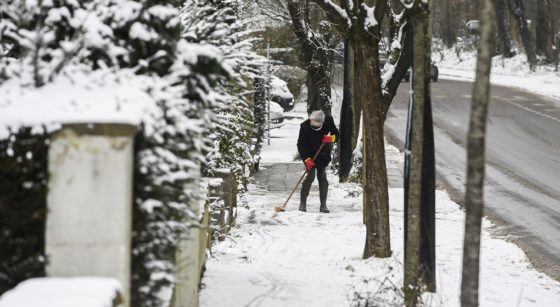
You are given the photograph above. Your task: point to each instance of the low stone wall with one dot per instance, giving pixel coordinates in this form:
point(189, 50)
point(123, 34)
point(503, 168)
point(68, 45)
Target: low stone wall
point(223, 204)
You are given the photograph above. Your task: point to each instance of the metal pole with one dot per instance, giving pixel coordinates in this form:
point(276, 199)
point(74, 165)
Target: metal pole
point(407, 144)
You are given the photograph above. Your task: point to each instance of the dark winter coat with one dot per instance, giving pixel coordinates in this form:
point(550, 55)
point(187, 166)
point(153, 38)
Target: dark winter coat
point(309, 141)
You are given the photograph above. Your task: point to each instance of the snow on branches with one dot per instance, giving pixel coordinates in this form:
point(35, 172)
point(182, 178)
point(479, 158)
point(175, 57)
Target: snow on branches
point(217, 23)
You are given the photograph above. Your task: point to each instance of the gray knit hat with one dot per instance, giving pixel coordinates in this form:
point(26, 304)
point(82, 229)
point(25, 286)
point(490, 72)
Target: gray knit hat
point(318, 116)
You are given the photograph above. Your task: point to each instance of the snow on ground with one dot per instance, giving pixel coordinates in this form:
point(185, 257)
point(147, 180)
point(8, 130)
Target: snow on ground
point(282, 140)
point(63, 292)
point(513, 72)
point(312, 259)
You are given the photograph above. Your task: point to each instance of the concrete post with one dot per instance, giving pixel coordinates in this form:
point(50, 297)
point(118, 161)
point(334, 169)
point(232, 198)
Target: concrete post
point(89, 221)
point(190, 260)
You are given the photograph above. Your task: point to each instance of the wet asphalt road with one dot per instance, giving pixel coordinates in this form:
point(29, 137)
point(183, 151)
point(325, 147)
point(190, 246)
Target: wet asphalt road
point(523, 157)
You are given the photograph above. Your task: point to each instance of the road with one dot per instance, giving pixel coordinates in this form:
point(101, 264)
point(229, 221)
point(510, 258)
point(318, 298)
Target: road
point(522, 190)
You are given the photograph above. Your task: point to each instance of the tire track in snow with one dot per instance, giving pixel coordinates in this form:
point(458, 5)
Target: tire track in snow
point(266, 241)
point(275, 286)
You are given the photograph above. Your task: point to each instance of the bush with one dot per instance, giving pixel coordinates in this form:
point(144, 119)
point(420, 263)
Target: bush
point(23, 191)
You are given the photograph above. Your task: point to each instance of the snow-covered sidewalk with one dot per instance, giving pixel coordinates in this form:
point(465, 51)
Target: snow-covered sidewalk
point(312, 259)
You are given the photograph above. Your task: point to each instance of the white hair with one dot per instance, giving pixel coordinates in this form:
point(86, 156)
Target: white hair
point(318, 116)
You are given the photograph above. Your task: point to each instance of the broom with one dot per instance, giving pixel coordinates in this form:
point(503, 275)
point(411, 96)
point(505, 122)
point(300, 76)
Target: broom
point(283, 208)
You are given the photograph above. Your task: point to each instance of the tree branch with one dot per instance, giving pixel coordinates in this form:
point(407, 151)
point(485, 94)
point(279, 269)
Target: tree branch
point(300, 28)
point(379, 10)
point(275, 10)
point(400, 48)
point(336, 15)
point(348, 5)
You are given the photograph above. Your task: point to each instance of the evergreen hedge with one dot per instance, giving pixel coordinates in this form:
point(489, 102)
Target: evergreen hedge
point(23, 190)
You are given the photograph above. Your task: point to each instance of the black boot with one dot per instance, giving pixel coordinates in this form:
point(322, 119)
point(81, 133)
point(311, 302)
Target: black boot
point(323, 191)
point(305, 187)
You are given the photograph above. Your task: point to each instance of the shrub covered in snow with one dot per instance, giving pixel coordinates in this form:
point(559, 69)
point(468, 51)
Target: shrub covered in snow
point(198, 86)
point(234, 137)
point(169, 152)
point(23, 190)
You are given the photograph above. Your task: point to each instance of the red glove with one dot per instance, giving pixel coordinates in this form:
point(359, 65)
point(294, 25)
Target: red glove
point(309, 164)
point(329, 138)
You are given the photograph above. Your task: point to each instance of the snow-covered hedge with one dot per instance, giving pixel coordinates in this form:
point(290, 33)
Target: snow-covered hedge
point(235, 138)
point(195, 111)
point(23, 190)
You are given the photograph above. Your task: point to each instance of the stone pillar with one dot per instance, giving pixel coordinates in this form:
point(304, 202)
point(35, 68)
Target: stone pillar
point(89, 221)
point(185, 293)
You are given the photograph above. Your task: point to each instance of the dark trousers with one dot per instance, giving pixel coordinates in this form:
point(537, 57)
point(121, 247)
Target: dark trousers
point(323, 185)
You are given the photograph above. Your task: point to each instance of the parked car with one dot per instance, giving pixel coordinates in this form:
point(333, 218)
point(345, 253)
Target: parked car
point(276, 115)
point(434, 73)
point(280, 93)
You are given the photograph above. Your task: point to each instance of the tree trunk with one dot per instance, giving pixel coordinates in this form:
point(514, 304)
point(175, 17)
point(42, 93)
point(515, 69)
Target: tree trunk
point(259, 110)
point(543, 41)
point(317, 59)
point(319, 81)
point(367, 89)
point(420, 69)
point(428, 195)
point(448, 27)
point(553, 33)
point(504, 38)
point(475, 157)
point(517, 9)
point(348, 137)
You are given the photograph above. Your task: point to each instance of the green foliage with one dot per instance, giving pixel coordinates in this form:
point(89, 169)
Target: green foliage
point(23, 190)
point(48, 35)
point(41, 33)
point(202, 84)
point(149, 33)
point(161, 216)
point(234, 137)
point(259, 107)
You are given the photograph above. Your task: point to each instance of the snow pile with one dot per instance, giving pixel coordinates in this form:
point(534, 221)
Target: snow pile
point(64, 292)
point(512, 72)
point(96, 97)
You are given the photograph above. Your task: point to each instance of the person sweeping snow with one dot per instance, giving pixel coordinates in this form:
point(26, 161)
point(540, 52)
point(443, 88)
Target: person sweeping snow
point(313, 132)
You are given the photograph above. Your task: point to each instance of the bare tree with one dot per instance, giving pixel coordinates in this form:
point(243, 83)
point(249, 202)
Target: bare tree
point(474, 202)
point(360, 22)
point(317, 52)
point(517, 10)
point(317, 41)
point(544, 41)
point(504, 37)
point(350, 114)
point(448, 24)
